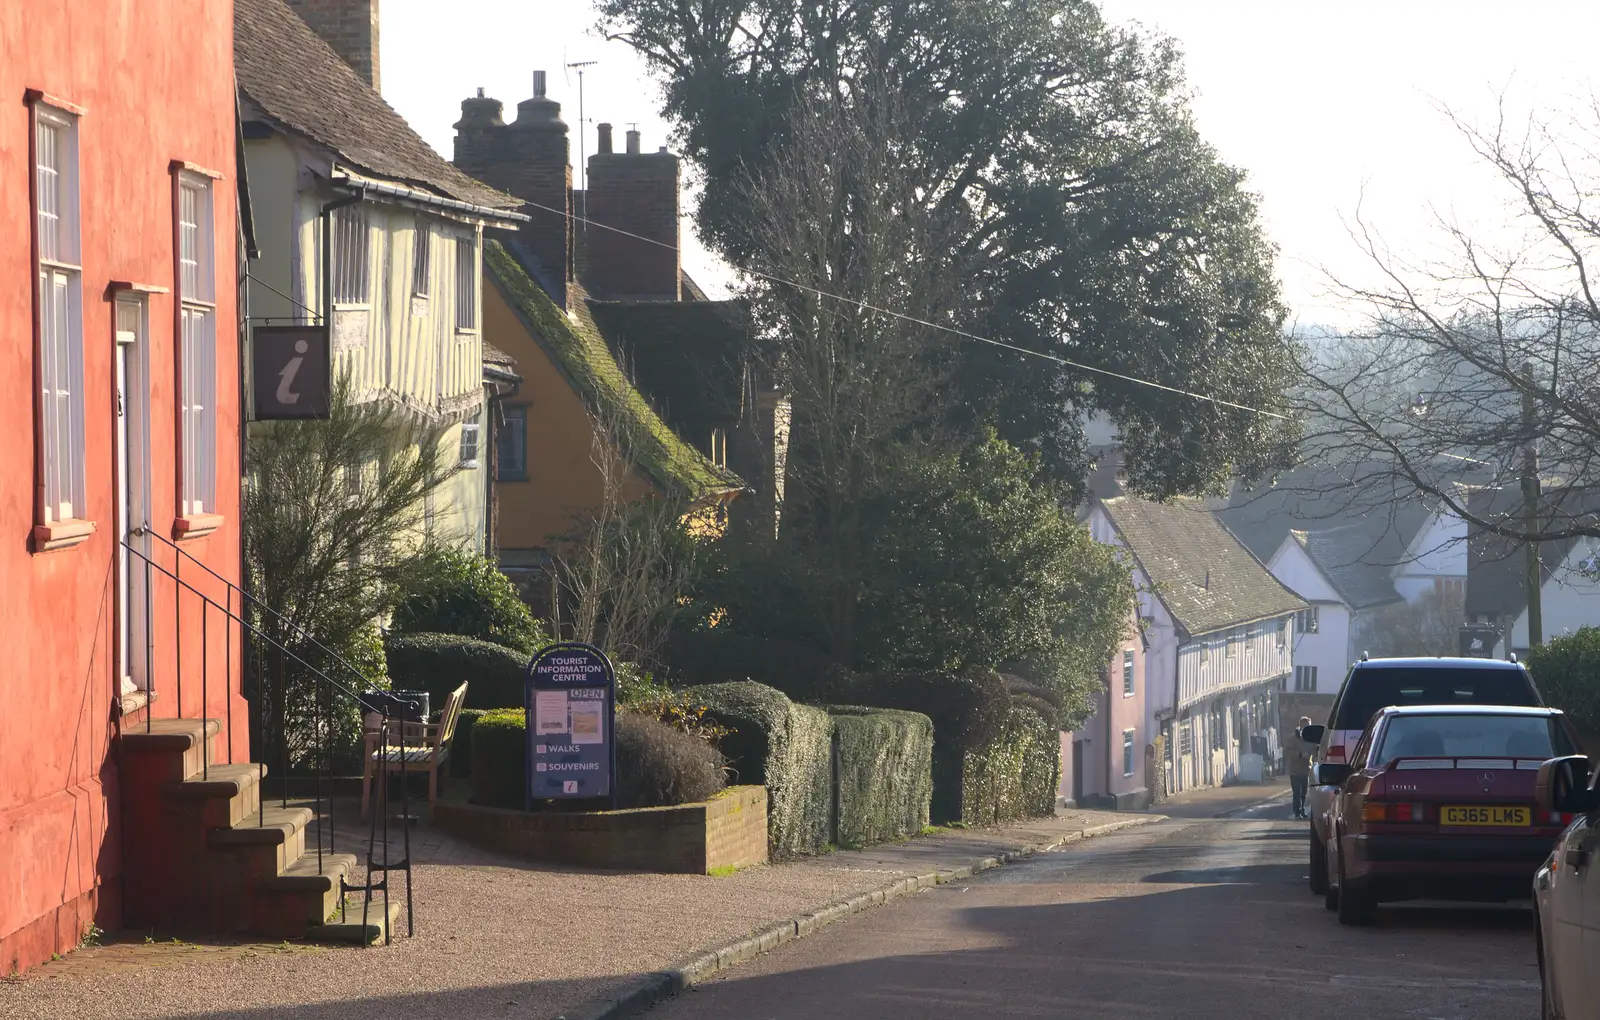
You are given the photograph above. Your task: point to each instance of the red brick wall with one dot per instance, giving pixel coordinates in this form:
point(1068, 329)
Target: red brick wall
point(155, 81)
point(528, 158)
point(727, 831)
point(636, 193)
point(349, 26)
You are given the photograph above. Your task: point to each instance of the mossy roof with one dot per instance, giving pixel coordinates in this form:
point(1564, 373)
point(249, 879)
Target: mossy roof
point(684, 356)
point(577, 349)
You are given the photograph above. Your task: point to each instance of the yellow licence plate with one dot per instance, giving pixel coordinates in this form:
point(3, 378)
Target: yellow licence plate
point(1462, 815)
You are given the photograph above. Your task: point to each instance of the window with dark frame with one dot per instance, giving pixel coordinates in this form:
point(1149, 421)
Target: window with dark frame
point(420, 253)
point(511, 446)
point(466, 284)
point(352, 244)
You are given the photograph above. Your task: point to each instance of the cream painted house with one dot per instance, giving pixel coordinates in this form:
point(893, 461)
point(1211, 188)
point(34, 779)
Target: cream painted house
point(355, 212)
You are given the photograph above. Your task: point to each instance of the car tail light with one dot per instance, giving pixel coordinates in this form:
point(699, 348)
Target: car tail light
point(1558, 817)
point(1393, 811)
point(1335, 754)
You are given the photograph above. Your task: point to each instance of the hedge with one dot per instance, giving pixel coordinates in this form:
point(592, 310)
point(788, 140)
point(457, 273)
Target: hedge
point(657, 766)
point(460, 760)
point(883, 773)
point(1016, 775)
point(438, 663)
point(783, 746)
point(1566, 670)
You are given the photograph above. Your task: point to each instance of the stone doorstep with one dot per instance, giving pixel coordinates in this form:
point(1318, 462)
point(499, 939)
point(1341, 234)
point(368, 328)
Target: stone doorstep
point(232, 793)
point(188, 739)
point(663, 984)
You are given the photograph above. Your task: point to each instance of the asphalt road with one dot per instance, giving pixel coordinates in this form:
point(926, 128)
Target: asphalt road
point(1196, 919)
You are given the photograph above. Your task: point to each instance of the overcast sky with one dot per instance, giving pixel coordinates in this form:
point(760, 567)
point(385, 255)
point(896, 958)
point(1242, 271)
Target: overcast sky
point(1325, 105)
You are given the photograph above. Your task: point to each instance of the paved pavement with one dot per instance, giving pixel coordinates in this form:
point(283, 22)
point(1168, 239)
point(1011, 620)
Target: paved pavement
point(495, 937)
point(1198, 918)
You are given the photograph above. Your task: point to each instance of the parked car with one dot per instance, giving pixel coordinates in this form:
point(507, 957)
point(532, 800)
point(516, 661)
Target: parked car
point(1374, 684)
point(1439, 802)
point(1566, 893)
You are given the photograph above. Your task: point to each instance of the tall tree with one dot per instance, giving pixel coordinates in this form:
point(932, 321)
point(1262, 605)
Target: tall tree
point(1091, 221)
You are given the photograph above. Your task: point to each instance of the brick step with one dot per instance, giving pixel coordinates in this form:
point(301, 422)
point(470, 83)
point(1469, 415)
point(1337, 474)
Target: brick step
point(271, 839)
point(225, 797)
point(314, 886)
point(182, 747)
point(379, 926)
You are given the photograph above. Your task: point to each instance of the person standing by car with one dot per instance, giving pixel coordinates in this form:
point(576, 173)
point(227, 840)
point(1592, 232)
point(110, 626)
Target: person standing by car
point(1297, 754)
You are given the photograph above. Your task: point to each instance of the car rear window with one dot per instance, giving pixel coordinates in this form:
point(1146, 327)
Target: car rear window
point(1487, 736)
point(1373, 689)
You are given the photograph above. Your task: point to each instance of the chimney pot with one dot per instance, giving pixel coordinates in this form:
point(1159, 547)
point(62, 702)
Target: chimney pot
point(605, 138)
point(480, 91)
point(538, 84)
point(633, 142)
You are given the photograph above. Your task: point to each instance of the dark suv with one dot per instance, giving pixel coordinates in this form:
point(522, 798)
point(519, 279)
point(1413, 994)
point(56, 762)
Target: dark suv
point(1375, 684)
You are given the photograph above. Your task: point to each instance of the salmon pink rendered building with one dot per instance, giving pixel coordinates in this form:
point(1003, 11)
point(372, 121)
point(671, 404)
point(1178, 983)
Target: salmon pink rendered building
point(119, 399)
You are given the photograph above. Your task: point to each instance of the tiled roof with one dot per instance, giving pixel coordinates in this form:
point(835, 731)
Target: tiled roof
point(684, 356)
point(1355, 561)
point(1314, 499)
point(575, 346)
point(1497, 566)
point(493, 355)
point(300, 84)
point(1205, 577)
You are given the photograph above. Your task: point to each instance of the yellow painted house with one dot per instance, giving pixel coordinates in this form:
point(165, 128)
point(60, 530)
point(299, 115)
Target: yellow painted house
point(547, 476)
point(352, 207)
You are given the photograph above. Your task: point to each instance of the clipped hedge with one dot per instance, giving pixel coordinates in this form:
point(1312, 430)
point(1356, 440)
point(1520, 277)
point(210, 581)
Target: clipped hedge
point(460, 760)
point(499, 758)
point(1567, 672)
point(1015, 775)
point(657, 766)
point(438, 663)
point(883, 773)
point(783, 746)
point(457, 592)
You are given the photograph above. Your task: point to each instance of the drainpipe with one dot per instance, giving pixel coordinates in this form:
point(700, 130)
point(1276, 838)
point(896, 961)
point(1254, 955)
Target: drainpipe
point(326, 215)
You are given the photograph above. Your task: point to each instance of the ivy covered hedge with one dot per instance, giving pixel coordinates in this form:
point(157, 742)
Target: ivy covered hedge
point(883, 768)
point(438, 663)
point(1016, 774)
point(785, 747)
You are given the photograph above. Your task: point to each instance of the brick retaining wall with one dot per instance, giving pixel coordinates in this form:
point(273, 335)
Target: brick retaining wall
point(727, 831)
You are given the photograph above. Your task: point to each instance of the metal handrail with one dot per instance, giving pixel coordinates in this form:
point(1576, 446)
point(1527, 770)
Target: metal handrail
point(323, 704)
point(299, 631)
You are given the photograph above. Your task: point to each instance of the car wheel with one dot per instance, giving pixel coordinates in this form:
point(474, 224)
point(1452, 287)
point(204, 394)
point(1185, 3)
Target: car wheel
point(1319, 866)
point(1356, 906)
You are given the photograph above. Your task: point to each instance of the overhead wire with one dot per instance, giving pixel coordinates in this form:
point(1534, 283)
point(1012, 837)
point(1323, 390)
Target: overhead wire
point(864, 306)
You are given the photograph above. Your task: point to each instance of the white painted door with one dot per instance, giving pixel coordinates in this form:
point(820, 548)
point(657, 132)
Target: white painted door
point(132, 452)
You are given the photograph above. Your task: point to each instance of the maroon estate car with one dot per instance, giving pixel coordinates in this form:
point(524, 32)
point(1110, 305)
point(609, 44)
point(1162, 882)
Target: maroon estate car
point(1437, 802)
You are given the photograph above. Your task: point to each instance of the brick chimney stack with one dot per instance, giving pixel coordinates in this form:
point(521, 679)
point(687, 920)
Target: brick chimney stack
point(635, 193)
point(604, 131)
point(529, 158)
point(350, 27)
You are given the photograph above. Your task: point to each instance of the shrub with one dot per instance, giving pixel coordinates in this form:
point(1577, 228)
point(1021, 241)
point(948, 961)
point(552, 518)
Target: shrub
point(1016, 774)
point(658, 766)
point(1567, 671)
point(305, 699)
point(783, 746)
point(460, 761)
point(499, 758)
point(883, 771)
point(968, 710)
point(437, 663)
point(455, 592)
point(720, 656)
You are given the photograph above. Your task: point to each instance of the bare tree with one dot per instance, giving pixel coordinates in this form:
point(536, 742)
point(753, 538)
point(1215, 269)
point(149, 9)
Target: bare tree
point(1480, 369)
point(623, 574)
point(842, 236)
point(1428, 626)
